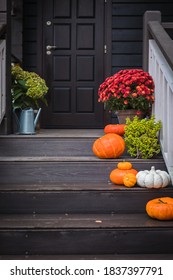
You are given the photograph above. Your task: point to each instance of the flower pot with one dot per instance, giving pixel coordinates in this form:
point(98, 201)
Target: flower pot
point(130, 113)
point(128, 88)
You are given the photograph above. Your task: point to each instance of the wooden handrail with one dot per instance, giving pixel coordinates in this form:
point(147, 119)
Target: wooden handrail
point(158, 61)
point(162, 39)
point(153, 28)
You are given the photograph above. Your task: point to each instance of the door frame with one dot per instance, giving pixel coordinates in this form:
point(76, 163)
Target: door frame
point(107, 40)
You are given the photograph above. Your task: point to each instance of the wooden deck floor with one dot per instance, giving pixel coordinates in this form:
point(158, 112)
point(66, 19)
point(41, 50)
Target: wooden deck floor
point(61, 133)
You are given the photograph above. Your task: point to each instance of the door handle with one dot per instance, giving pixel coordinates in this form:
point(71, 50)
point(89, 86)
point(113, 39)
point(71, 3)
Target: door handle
point(49, 48)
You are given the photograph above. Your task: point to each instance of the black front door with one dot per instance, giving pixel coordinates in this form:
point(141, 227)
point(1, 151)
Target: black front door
point(73, 62)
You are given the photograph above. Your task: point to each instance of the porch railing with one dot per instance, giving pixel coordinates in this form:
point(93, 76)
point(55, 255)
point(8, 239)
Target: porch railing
point(2, 78)
point(160, 66)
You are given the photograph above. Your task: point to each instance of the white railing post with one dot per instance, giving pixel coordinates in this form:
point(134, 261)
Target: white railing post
point(2, 78)
point(163, 107)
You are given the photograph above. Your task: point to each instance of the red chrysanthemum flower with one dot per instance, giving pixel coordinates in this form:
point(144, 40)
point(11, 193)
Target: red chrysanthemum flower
point(128, 89)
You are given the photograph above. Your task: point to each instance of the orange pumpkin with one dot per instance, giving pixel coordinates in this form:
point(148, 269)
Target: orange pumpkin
point(117, 174)
point(160, 208)
point(109, 146)
point(129, 180)
point(124, 165)
point(115, 128)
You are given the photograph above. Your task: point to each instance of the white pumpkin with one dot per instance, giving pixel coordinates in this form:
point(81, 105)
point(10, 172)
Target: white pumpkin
point(153, 178)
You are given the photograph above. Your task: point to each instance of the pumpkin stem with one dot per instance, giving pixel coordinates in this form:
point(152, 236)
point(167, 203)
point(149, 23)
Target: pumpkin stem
point(153, 169)
point(161, 201)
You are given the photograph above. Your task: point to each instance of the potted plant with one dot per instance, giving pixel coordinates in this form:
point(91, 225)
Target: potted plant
point(129, 89)
point(28, 89)
point(141, 137)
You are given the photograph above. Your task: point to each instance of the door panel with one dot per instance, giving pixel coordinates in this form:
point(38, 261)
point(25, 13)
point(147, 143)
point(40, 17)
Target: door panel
point(74, 67)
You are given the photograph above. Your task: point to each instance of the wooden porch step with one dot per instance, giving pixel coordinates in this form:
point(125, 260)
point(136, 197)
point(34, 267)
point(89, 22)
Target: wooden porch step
point(84, 234)
point(80, 221)
point(95, 198)
point(64, 170)
point(89, 158)
point(69, 185)
point(56, 199)
point(45, 147)
point(90, 257)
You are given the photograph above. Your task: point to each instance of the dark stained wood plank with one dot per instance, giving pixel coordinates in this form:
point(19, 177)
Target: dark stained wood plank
point(86, 241)
point(90, 257)
point(45, 147)
point(82, 201)
point(139, 9)
point(124, 35)
point(3, 5)
point(127, 22)
point(77, 158)
point(64, 172)
point(68, 221)
point(30, 35)
point(30, 59)
point(30, 8)
point(126, 47)
point(30, 22)
point(77, 186)
point(144, 1)
point(31, 47)
point(127, 60)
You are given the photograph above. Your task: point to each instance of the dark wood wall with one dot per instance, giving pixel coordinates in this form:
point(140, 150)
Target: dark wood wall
point(30, 34)
point(3, 11)
point(5, 33)
point(17, 31)
point(127, 30)
point(127, 21)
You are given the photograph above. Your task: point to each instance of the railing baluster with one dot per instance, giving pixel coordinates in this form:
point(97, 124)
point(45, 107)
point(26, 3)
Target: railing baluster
point(163, 107)
point(2, 78)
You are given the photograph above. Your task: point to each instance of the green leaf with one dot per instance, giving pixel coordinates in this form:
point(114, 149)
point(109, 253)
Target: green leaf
point(17, 95)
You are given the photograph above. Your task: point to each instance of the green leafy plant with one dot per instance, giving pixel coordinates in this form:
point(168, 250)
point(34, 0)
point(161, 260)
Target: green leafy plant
point(27, 89)
point(141, 137)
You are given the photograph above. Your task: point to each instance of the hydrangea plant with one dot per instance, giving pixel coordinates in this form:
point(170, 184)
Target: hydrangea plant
point(27, 89)
point(141, 137)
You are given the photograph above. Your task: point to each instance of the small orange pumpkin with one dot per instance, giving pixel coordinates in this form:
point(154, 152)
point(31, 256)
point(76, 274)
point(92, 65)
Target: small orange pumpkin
point(160, 208)
point(123, 165)
point(109, 146)
point(117, 174)
point(115, 128)
point(129, 180)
